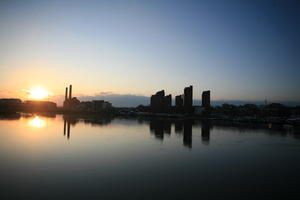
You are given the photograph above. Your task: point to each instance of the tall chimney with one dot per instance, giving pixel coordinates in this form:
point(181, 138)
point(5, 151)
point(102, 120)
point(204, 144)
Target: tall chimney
point(66, 95)
point(70, 92)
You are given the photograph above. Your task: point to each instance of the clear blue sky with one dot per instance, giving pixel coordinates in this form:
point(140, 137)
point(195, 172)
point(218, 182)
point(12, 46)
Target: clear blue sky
point(240, 50)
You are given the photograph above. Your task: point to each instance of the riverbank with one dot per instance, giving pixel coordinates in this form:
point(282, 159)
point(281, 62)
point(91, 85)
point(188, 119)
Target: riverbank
point(291, 121)
point(286, 121)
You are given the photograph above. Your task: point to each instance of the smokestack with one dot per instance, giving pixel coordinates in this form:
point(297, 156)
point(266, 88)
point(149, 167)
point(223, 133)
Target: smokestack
point(66, 94)
point(70, 92)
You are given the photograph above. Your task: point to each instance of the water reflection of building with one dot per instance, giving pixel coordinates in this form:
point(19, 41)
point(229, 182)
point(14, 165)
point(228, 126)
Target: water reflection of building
point(187, 133)
point(205, 131)
point(157, 127)
point(178, 126)
point(94, 120)
point(167, 127)
point(160, 127)
point(67, 128)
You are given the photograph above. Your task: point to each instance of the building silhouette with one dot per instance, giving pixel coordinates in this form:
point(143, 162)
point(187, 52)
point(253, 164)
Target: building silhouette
point(39, 106)
point(74, 105)
point(206, 99)
point(10, 105)
point(70, 92)
point(160, 103)
point(179, 101)
point(16, 105)
point(167, 103)
point(188, 99)
point(157, 101)
point(70, 102)
point(66, 94)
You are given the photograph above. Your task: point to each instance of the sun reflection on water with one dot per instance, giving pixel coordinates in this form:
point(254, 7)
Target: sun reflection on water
point(37, 122)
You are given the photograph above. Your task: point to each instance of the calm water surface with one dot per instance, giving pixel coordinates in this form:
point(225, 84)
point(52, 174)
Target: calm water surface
point(56, 157)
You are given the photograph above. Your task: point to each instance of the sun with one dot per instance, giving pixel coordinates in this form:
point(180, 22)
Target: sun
point(38, 93)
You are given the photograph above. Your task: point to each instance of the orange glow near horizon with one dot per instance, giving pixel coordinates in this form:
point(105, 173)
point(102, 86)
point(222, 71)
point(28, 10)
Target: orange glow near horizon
point(38, 93)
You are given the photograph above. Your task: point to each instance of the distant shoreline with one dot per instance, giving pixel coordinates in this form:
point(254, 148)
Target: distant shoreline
point(291, 121)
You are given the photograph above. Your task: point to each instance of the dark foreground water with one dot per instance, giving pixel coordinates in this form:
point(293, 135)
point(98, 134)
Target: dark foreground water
point(58, 157)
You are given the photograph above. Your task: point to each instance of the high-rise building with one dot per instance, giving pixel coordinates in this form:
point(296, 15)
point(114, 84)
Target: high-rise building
point(206, 99)
point(168, 100)
point(167, 103)
point(179, 101)
point(188, 99)
point(157, 101)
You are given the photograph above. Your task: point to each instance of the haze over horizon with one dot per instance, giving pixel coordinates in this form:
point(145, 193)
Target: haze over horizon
point(245, 51)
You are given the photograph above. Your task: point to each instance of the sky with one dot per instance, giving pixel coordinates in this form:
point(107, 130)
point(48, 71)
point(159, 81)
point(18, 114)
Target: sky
point(240, 50)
